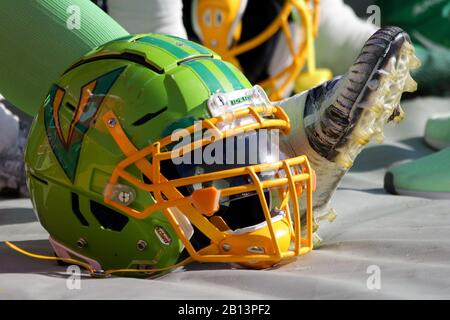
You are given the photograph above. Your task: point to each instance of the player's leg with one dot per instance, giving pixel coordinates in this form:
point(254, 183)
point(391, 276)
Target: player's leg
point(332, 122)
point(41, 38)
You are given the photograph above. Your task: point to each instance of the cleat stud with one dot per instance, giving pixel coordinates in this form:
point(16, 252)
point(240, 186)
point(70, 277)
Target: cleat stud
point(410, 84)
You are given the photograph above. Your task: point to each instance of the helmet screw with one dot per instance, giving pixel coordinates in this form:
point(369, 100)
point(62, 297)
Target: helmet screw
point(112, 122)
point(141, 245)
point(226, 247)
point(124, 197)
point(81, 243)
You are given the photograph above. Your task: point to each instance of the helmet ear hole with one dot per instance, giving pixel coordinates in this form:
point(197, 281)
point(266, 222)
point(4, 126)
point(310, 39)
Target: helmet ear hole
point(107, 217)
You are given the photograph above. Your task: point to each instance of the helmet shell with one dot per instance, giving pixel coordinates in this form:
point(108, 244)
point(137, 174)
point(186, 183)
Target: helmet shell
point(150, 82)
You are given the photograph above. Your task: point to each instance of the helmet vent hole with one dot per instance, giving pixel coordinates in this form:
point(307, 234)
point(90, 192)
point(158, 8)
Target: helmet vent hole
point(70, 106)
point(76, 210)
point(149, 116)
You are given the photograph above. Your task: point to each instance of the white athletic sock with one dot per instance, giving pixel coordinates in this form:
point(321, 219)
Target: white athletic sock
point(149, 16)
point(341, 36)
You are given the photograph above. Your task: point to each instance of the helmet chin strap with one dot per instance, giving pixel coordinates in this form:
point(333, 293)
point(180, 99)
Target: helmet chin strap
point(94, 272)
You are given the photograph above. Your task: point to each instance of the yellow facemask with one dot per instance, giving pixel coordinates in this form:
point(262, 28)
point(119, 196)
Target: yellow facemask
point(282, 235)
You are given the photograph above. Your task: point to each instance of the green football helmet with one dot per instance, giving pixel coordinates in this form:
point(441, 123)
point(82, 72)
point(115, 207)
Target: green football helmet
point(116, 189)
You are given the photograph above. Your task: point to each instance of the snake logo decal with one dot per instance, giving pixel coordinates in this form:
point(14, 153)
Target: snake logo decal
point(67, 147)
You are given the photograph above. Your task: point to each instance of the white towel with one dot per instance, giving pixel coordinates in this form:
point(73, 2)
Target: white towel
point(9, 128)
